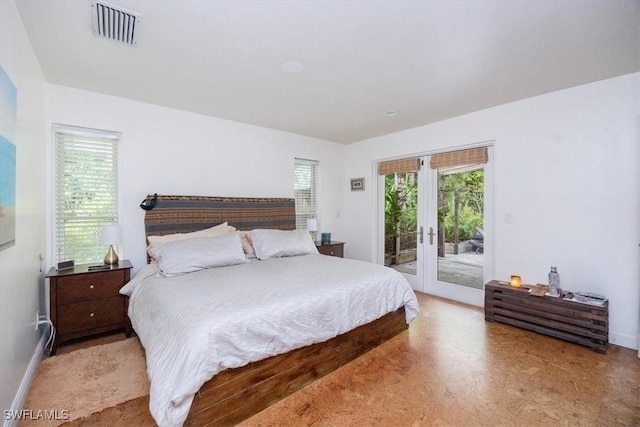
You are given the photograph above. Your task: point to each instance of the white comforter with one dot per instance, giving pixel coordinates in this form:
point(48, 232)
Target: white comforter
point(196, 325)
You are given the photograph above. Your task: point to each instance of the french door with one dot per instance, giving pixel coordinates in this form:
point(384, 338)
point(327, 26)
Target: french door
point(437, 227)
point(400, 193)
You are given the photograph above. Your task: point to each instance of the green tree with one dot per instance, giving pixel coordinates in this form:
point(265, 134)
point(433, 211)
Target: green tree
point(468, 189)
point(401, 199)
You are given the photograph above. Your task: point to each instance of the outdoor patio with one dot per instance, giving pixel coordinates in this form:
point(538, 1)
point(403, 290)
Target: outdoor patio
point(463, 269)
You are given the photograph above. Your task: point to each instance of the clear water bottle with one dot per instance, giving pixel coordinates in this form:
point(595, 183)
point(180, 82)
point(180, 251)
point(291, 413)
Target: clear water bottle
point(554, 282)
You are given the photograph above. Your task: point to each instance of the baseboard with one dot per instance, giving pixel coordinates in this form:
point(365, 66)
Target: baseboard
point(627, 341)
point(29, 375)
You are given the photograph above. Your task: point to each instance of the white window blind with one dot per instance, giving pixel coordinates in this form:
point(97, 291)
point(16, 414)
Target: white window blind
point(306, 191)
point(86, 186)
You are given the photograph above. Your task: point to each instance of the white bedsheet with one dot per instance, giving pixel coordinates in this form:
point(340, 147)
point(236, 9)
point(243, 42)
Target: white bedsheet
point(196, 325)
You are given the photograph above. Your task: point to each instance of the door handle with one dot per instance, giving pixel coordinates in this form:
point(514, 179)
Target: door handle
point(421, 234)
point(431, 234)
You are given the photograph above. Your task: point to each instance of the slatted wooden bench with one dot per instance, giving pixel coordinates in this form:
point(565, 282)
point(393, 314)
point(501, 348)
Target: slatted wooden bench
point(579, 323)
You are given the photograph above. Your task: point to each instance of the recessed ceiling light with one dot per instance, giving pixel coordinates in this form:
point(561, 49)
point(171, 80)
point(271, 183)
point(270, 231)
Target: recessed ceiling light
point(292, 67)
point(390, 113)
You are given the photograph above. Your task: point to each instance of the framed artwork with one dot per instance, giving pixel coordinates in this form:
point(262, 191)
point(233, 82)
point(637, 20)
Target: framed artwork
point(8, 100)
point(357, 184)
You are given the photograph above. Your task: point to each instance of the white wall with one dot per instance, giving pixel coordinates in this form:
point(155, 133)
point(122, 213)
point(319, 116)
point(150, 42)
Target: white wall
point(21, 281)
point(567, 169)
point(169, 151)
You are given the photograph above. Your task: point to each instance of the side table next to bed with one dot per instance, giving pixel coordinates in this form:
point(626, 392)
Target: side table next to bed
point(332, 248)
point(572, 321)
point(84, 302)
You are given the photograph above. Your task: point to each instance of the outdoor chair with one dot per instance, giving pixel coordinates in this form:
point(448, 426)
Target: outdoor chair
point(477, 241)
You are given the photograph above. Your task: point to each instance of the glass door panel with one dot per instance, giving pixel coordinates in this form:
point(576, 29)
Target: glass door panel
point(461, 226)
point(401, 224)
point(400, 241)
point(458, 231)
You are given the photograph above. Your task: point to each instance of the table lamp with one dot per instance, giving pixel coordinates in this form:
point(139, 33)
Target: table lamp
point(312, 227)
point(110, 236)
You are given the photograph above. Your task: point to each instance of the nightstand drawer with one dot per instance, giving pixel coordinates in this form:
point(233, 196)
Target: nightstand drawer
point(332, 249)
point(89, 287)
point(90, 315)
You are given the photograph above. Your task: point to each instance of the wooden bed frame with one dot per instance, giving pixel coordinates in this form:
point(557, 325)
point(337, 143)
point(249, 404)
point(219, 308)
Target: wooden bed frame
point(236, 394)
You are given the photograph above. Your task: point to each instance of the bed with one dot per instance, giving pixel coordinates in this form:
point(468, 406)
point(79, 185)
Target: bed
point(224, 341)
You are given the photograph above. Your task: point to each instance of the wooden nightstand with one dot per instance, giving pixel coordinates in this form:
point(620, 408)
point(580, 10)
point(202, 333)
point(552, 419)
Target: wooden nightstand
point(84, 302)
point(332, 248)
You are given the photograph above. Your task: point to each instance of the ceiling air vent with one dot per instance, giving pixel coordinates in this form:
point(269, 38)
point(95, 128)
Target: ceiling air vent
point(114, 23)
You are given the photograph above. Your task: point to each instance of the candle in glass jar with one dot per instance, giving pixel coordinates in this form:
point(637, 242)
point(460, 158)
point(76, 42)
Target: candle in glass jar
point(515, 282)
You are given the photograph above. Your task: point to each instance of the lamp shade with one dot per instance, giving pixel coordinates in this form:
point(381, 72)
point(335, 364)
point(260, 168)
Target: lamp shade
point(110, 235)
point(312, 224)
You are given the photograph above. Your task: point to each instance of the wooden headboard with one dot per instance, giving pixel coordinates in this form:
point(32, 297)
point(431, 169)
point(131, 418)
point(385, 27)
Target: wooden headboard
point(184, 214)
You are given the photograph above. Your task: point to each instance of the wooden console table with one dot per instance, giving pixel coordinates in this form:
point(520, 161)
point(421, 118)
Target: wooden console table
point(579, 323)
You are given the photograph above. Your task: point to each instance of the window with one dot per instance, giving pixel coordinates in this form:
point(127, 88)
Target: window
point(305, 191)
point(86, 191)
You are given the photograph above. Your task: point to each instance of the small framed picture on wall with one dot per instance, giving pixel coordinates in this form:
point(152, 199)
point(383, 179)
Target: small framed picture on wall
point(357, 184)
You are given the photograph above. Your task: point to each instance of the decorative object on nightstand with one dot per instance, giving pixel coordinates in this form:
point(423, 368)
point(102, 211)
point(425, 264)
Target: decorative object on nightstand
point(84, 302)
point(515, 281)
point(332, 248)
point(63, 265)
point(110, 236)
point(554, 282)
point(325, 238)
point(312, 227)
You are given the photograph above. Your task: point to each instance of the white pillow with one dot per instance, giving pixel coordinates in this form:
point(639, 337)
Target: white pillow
point(280, 243)
point(188, 255)
point(217, 230)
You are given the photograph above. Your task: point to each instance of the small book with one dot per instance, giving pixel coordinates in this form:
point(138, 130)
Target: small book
point(591, 295)
point(99, 267)
point(539, 290)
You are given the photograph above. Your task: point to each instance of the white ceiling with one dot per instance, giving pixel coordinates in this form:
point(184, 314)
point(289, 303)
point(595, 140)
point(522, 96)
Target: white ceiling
point(429, 60)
